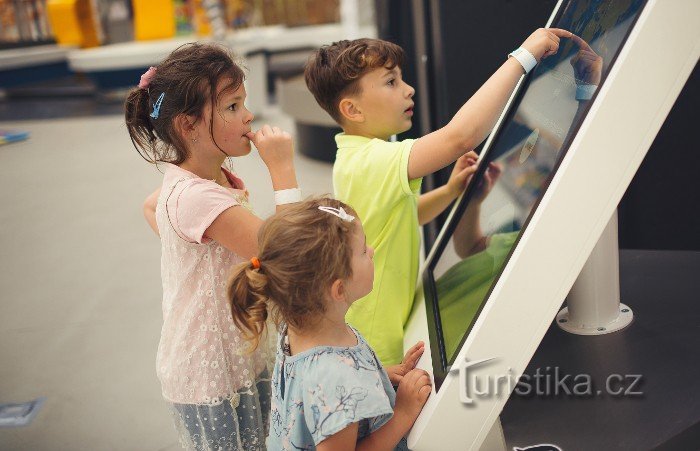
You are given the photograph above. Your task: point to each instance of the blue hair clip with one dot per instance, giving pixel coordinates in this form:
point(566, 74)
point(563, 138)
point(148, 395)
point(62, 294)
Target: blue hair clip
point(156, 106)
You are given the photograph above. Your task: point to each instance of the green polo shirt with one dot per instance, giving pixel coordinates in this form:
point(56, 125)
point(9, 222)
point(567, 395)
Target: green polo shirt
point(371, 175)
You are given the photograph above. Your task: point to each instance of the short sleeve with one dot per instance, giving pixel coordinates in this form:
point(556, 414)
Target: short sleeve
point(408, 186)
point(389, 169)
point(339, 392)
point(194, 205)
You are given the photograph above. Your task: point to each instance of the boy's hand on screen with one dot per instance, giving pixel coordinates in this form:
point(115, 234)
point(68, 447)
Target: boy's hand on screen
point(462, 172)
point(274, 146)
point(587, 64)
point(409, 362)
point(413, 392)
point(490, 177)
point(545, 41)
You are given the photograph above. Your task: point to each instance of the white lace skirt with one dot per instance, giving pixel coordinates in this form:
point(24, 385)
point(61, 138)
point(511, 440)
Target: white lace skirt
point(241, 423)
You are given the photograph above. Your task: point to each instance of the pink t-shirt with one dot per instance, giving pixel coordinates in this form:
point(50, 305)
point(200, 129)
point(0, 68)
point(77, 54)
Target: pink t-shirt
point(202, 357)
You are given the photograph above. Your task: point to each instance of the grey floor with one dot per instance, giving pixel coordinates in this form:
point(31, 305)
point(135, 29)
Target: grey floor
point(80, 282)
point(657, 352)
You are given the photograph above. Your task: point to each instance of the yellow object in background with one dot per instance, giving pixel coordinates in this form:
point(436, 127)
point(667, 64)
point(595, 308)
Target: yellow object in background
point(74, 22)
point(153, 19)
point(201, 22)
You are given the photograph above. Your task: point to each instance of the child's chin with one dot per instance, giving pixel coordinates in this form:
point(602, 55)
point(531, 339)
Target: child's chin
point(242, 152)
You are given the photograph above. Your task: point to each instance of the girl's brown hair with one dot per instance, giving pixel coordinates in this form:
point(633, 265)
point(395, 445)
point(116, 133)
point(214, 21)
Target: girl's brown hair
point(302, 250)
point(188, 77)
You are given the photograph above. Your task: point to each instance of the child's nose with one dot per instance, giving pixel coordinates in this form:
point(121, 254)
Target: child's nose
point(410, 91)
point(249, 118)
point(370, 249)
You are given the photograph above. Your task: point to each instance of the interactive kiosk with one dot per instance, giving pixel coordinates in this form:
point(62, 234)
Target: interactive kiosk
point(549, 180)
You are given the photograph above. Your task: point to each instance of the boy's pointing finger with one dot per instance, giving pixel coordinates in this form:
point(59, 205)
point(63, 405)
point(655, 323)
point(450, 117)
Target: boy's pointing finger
point(560, 32)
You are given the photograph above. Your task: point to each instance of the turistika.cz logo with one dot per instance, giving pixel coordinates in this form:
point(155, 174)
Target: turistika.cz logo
point(550, 382)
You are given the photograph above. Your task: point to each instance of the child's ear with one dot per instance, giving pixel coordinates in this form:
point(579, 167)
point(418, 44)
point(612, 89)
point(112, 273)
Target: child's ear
point(350, 111)
point(185, 126)
point(338, 291)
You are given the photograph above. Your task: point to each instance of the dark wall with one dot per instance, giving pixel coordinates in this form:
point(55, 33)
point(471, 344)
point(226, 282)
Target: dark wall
point(455, 45)
point(661, 208)
point(471, 39)
point(396, 23)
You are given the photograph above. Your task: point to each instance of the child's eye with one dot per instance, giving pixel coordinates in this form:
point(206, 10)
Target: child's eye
point(233, 107)
point(391, 82)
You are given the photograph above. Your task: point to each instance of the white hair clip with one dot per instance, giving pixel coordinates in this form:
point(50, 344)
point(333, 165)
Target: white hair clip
point(339, 212)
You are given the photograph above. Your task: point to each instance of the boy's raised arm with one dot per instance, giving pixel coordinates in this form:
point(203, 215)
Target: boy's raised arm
point(475, 120)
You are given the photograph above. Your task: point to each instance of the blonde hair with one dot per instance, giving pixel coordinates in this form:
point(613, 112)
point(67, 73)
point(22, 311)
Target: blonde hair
point(302, 250)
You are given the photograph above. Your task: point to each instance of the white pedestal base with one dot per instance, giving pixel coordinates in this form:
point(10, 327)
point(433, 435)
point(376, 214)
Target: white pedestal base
point(565, 322)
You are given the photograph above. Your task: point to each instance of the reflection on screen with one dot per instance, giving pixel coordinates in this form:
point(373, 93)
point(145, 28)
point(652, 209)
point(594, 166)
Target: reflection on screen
point(520, 162)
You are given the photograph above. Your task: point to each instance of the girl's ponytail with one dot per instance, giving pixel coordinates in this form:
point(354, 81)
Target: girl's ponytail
point(302, 250)
point(249, 300)
point(138, 123)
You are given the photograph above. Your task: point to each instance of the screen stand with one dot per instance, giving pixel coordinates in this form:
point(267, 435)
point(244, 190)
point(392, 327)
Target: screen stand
point(593, 304)
point(495, 441)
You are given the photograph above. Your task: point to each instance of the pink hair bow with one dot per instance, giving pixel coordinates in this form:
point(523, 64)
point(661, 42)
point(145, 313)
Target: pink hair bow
point(147, 77)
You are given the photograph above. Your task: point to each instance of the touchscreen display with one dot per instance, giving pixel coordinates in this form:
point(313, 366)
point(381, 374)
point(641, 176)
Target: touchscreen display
point(517, 167)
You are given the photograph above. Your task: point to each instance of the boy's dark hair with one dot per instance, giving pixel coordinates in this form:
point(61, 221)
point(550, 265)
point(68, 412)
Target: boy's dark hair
point(333, 71)
point(189, 78)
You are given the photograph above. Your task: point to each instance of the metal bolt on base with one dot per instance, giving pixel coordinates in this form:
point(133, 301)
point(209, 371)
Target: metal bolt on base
point(573, 326)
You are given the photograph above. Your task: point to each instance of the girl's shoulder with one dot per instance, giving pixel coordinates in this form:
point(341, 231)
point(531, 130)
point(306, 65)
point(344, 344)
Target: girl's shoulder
point(185, 186)
point(191, 203)
point(338, 386)
point(337, 364)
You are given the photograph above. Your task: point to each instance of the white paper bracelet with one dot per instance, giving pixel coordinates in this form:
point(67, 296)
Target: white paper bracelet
point(287, 196)
point(585, 92)
point(525, 58)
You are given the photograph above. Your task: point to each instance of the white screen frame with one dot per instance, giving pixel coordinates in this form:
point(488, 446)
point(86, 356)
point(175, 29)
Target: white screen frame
point(637, 95)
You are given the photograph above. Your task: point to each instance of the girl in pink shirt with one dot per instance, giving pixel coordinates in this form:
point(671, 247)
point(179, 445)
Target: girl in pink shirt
point(188, 113)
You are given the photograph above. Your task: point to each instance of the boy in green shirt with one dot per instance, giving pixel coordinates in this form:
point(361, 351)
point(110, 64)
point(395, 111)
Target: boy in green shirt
point(359, 84)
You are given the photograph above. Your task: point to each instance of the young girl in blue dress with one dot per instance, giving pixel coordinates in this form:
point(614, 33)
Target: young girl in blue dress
point(329, 390)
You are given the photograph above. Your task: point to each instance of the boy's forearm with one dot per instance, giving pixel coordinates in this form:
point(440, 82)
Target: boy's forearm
point(469, 127)
point(387, 436)
point(433, 203)
point(477, 117)
point(468, 238)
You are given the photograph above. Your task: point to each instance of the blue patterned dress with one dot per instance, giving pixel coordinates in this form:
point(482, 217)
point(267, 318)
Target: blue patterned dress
point(320, 391)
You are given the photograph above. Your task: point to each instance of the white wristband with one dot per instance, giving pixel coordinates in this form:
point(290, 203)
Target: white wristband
point(525, 58)
point(287, 196)
point(585, 92)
